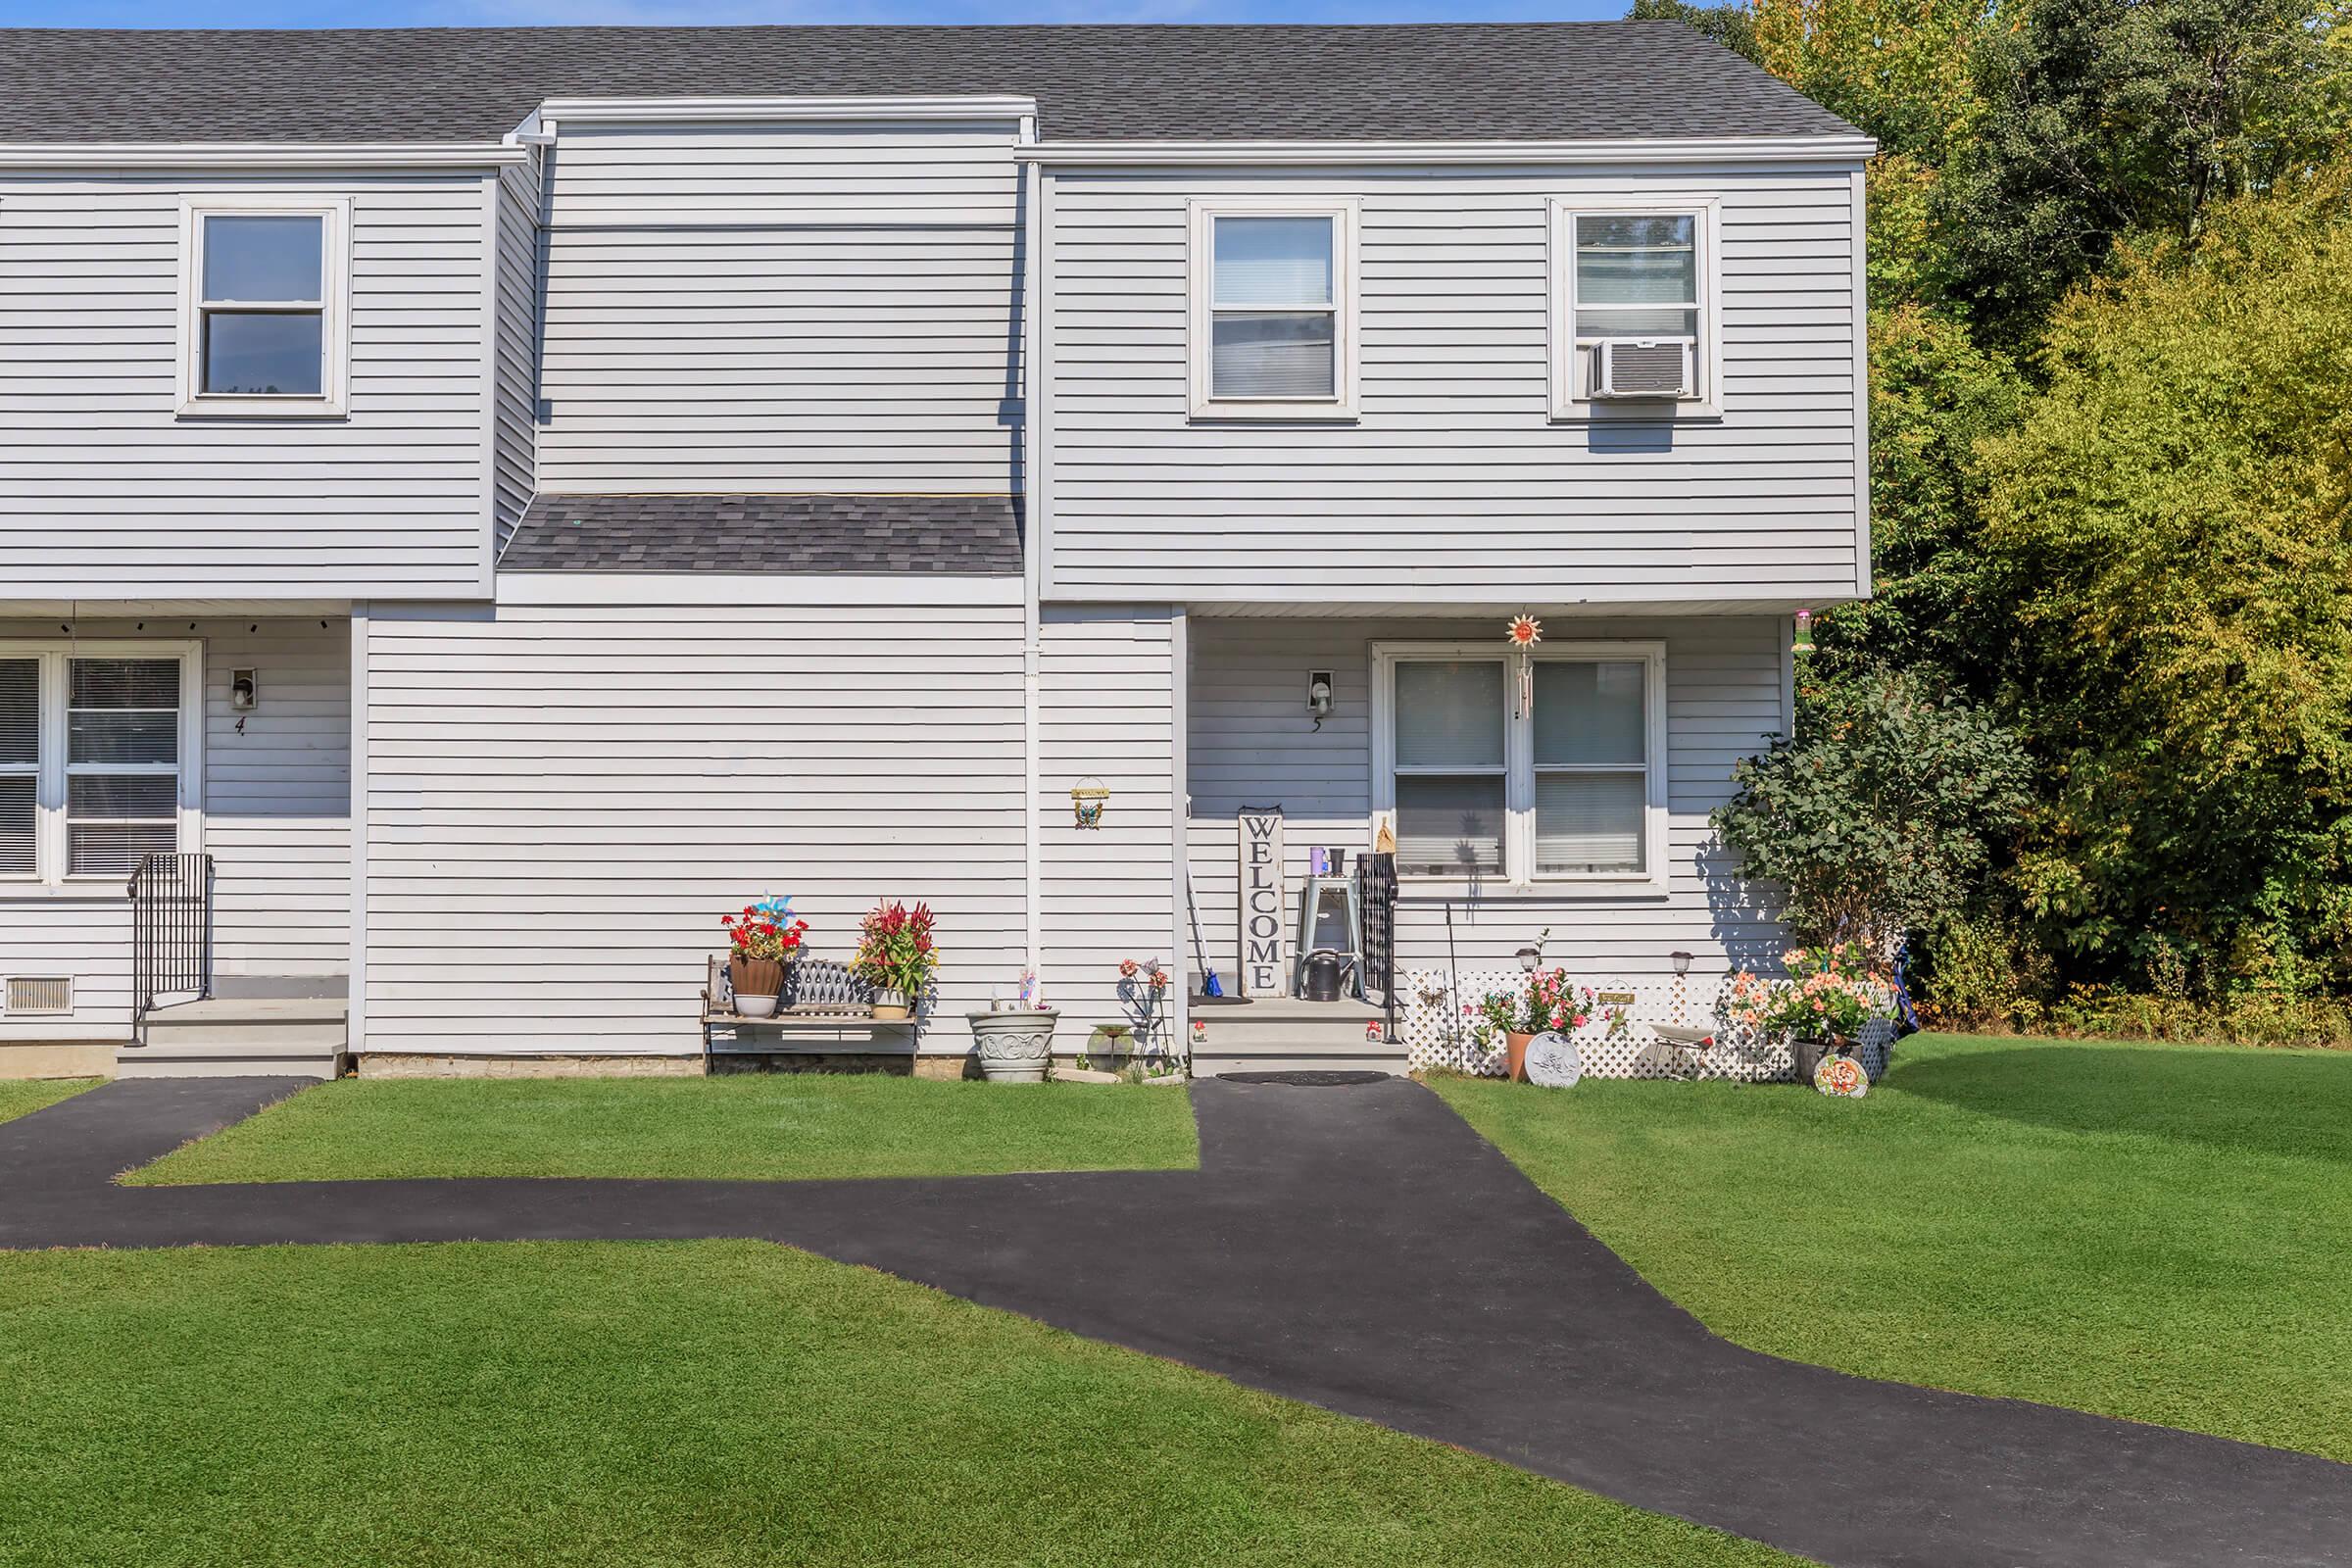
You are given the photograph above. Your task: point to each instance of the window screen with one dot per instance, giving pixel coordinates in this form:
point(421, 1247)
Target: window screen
point(1273, 317)
point(1449, 761)
point(262, 305)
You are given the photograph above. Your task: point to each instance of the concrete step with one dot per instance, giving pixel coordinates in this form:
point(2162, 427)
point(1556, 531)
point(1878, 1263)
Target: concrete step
point(1207, 1065)
point(227, 1037)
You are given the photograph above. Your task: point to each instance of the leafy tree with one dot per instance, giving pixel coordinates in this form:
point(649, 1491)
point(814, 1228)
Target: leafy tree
point(2106, 118)
point(2172, 526)
point(1934, 397)
point(1733, 26)
point(1881, 817)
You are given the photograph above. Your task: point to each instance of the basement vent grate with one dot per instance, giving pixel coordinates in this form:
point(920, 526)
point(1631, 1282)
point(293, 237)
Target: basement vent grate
point(40, 994)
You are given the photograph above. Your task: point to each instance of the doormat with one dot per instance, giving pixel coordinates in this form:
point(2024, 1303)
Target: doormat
point(1307, 1079)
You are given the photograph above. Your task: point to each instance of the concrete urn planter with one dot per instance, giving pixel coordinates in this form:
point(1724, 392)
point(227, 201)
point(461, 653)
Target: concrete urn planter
point(1016, 1048)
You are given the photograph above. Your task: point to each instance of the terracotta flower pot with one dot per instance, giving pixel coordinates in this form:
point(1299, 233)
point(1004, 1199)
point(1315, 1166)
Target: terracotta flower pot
point(891, 1006)
point(1516, 1055)
point(758, 982)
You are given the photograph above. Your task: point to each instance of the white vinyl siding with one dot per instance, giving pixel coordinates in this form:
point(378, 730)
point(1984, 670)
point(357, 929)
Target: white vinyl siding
point(1105, 710)
point(113, 495)
point(782, 307)
point(516, 433)
point(1452, 486)
point(1252, 743)
point(562, 802)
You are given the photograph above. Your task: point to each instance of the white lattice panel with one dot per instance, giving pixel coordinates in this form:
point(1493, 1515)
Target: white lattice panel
point(1439, 1030)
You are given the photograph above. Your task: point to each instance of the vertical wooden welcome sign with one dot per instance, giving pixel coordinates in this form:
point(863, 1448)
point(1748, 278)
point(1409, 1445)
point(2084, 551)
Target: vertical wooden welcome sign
point(1260, 945)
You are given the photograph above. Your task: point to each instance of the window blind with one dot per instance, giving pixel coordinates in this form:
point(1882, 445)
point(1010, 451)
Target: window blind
point(122, 763)
point(1273, 330)
point(20, 766)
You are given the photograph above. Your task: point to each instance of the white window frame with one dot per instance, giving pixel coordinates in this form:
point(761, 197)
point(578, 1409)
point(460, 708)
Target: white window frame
point(332, 400)
point(49, 794)
point(1573, 370)
point(1202, 212)
point(1519, 755)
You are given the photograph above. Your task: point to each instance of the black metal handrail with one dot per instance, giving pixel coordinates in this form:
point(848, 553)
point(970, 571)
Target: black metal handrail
point(1376, 903)
point(170, 932)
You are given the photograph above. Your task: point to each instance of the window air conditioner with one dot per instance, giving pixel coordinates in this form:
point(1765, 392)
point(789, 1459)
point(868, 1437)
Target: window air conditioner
point(1643, 367)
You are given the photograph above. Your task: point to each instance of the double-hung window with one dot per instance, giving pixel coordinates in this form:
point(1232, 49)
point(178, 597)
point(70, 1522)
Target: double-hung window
point(1633, 305)
point(262, 305)
point(1522, 767)
point(97, 758)
point(1273, 317)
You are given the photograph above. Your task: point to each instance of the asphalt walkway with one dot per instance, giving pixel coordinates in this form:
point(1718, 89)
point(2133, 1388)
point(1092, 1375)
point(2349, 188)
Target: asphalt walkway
point(1358, 1248)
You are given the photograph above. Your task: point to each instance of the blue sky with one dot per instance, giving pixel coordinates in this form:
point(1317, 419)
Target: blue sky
point(465, 13)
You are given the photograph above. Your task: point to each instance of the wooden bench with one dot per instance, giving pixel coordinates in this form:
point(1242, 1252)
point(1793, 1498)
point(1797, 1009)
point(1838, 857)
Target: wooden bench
point(826, 1010)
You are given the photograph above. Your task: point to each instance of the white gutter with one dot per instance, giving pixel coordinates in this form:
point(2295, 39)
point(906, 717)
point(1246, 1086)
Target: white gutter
point(677, 110)
point(337, 156)
point(1840, 150)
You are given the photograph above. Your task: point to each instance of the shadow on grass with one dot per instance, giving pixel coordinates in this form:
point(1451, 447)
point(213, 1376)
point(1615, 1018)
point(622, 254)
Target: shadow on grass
point(2249, 1102)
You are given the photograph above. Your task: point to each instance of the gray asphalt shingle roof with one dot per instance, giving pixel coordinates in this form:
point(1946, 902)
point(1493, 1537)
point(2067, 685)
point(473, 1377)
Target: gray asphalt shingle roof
point(975, 535)
point(1468, 81)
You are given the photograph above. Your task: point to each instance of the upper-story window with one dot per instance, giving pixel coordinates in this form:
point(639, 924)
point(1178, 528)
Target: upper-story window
point(263, 306)
point(1634, 307)
point(98, 766)
point(1273, 317)
point(1523, 767)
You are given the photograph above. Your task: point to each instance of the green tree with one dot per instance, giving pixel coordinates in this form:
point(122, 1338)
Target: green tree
point(1934, 397)
point(2106, 118)
point(1880, 818)
point(2172, 526)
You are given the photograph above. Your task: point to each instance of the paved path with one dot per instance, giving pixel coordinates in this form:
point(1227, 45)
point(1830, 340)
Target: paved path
point(1357, 1248)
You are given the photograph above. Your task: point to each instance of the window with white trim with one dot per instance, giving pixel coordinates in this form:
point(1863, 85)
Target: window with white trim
point(263, 284)
point(1273, 317)
point(97, 758)
point(1634, 305)
point(1524, 766)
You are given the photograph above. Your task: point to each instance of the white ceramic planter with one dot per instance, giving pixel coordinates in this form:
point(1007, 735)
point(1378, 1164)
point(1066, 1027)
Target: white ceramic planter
point(1014, 1047)
point(755, 1007)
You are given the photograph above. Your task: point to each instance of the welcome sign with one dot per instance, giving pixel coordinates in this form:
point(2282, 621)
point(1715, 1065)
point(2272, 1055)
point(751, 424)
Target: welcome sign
point(1261, 938)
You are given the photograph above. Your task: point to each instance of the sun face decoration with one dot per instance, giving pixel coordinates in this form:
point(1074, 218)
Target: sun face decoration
point(1524, 631)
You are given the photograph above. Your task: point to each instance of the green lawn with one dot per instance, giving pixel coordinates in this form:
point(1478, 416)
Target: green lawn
point(2156, 1232)
point(21, 1096)
point(752, 1127)
point(708, 1404)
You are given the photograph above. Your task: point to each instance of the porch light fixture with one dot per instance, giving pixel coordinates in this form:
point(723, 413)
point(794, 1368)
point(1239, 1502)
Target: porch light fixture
point(1318, 696)
point(1529, 957)
point(1682, 963)
point(244, 693)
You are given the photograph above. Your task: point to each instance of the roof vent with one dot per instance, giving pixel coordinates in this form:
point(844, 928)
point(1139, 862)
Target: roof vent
point(1644, 367)
point(39, 993)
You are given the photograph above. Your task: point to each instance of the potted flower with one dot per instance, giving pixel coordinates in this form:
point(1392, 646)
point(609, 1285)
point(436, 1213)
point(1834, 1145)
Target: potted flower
point(1547, 1000)
point(896, 956)
point(765, 938)
point(1829, 994)
point(1015, 1043)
